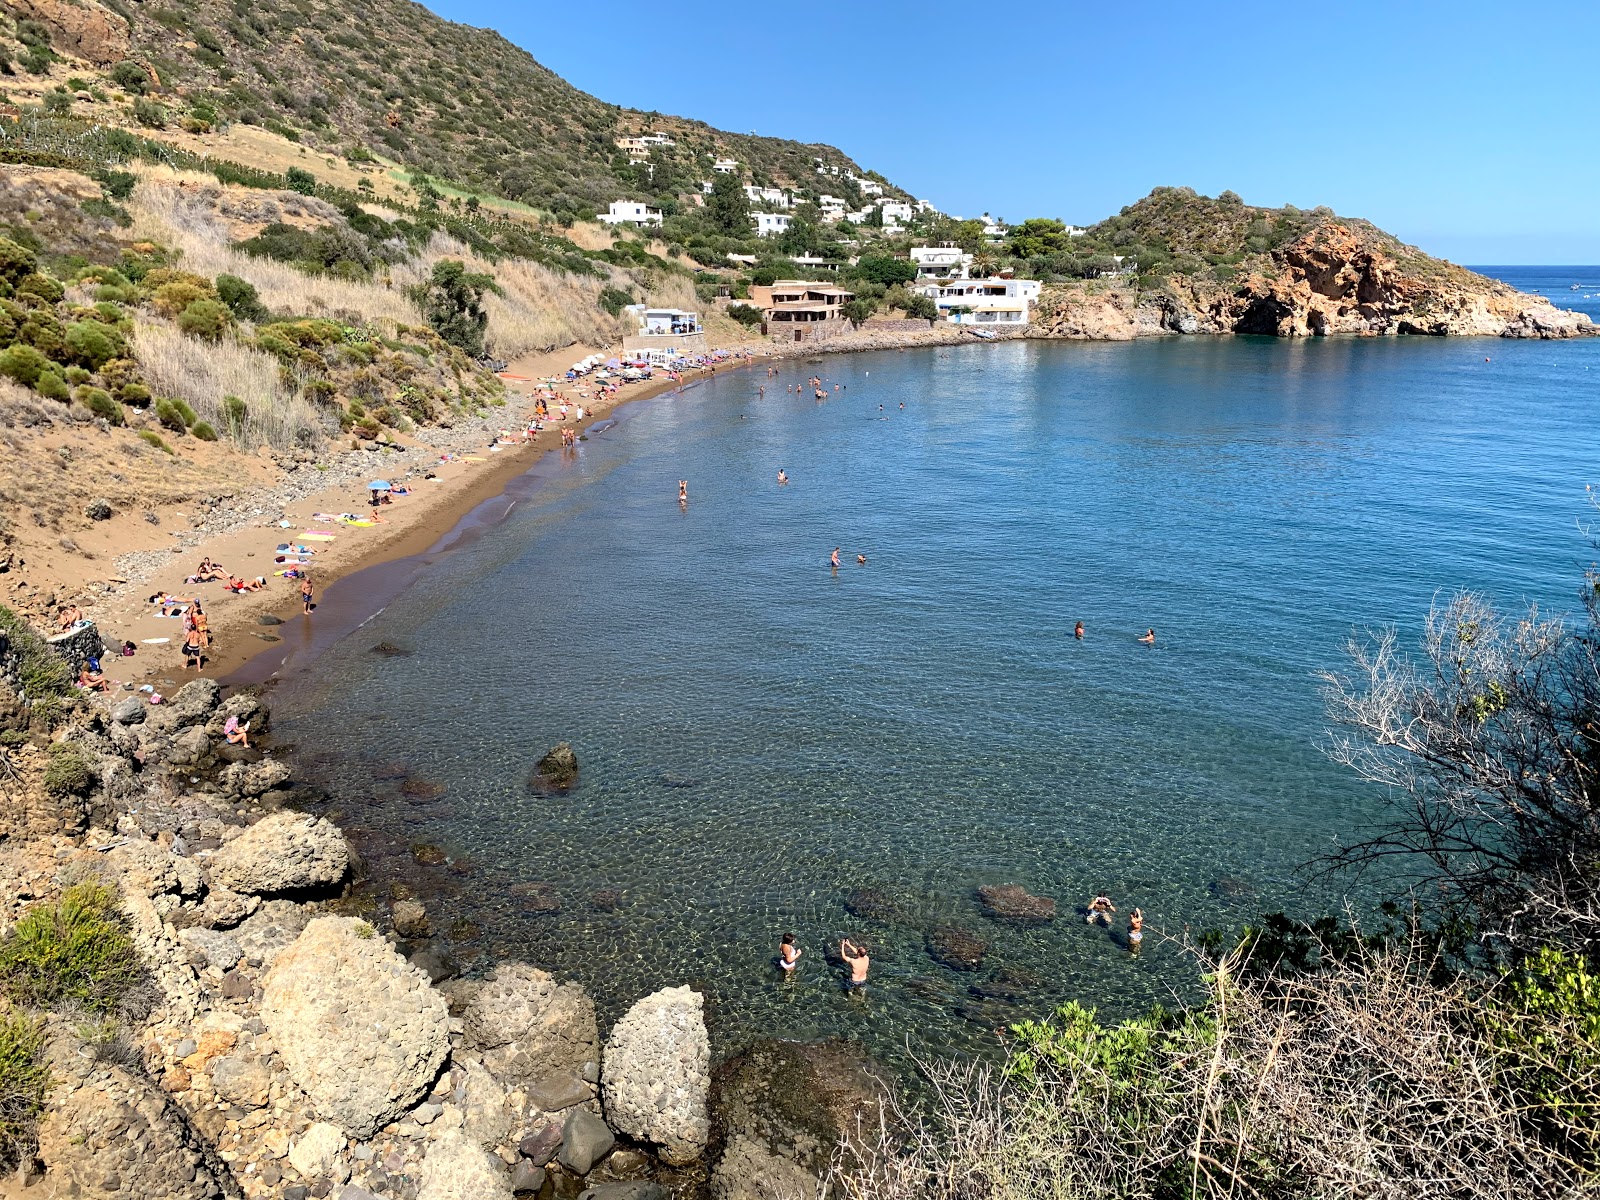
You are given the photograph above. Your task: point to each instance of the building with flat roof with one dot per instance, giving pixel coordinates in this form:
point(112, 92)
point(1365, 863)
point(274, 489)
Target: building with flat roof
point(630, 212)
point(794, 310)
point(941, 262)
point(983, 302)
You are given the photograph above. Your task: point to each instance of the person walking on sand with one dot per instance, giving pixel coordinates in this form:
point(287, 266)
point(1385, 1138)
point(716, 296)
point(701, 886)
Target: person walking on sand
point(194, 648)
point(1149, 638)
point(833, 559)
point(855, 957)
point(305, 595)
point(788, 954)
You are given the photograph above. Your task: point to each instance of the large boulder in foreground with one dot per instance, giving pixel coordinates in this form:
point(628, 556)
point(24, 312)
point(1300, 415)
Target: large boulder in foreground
point(286, 852)
point(457, 1168)
point(360, 1030)
point(782, 1108)
point(658, 1074)
point(528, 1026)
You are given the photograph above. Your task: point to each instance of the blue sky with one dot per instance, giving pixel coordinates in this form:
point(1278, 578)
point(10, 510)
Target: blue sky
point(1465, 127)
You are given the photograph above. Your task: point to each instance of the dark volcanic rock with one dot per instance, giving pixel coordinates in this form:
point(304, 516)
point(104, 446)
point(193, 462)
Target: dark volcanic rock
point(388, 650)
point(541, 1146)
point(422, 789)
point(1231, 887)
point(606, 900)
point(391, 770)
point(870, 904)
point(957, 948)
point(426, 854)
point(268, 619)
point(1014, 903)
point(557, 771)
point(537, 898)
point(585, 1140)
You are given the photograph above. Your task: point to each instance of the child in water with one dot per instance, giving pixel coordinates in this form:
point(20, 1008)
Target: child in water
point(788, 954)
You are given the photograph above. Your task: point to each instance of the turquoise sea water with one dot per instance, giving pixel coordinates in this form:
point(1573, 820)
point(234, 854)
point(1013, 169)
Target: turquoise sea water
point(759, 735)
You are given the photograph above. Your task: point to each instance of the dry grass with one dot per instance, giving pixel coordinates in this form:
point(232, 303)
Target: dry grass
point(1362, 1081)
point(182, 218)
point(202, 373)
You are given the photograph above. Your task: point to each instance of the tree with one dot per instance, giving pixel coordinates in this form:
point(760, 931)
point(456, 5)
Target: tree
point(858, 311)
point(301, 181)
point(884, 269)
point(452, 300)
point(728, 206)
point(1039, 236)
point(983, 264)
point(921, 308)
point(1489, 752)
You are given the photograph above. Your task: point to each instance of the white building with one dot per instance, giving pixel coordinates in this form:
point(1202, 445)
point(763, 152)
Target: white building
point(669, 321)
point(993, 229)
point(870, 187)
point(941, 262)
point(857, 218)
point(986, 302)
point(771, 224)
point(776, 197)
point(631, 212)
point(664, 334)
point(895, 211)
point(640, 147)
point(827, 201)
point(725, 166)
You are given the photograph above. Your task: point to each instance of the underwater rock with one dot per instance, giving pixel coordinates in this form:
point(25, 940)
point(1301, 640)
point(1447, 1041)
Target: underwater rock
point(557, 771)
point(957, 948)
point(1015, 904)
point(870, 904)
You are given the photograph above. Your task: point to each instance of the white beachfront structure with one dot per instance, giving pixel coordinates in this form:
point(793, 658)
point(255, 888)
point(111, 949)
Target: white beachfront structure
point(664, 334)
point(630, 212)
point(771, 224)
point(669, 321)
point(941, 262)
point(988, 302)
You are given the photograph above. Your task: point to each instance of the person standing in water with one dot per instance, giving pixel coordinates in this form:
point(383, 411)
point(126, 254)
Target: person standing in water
point(833, 559)
point(1149, 638)
point(782, 478)
point(1135, 930)
point(788, 954)
point(1077, 631)
point(855, 957)
point(305, 594)
point(683, 491)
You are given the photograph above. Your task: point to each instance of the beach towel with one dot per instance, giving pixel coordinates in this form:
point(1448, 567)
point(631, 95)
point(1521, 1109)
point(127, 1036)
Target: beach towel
point(316, 535)
point(155, 641)
point(473, 458)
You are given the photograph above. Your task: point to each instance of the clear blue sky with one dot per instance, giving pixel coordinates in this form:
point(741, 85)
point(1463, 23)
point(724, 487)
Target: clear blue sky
point(1466, 127)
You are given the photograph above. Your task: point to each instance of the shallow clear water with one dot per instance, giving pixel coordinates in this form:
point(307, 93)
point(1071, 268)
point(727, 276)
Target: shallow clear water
point(759, 735)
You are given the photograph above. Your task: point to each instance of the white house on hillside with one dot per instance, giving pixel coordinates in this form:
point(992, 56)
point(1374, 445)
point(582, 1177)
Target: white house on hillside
point(895, 212)
point(870, 187)
point(941, 262)
point(771, 224)
point(640, 147)
point(776, 197)
point(990, 302)
point(725, 166)
point(631, 212)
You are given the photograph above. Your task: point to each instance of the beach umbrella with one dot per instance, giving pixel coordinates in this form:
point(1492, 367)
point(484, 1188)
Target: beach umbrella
point(378, 485)
point(613, 363)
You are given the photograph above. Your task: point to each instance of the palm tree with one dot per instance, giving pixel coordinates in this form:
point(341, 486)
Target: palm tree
point(983, 264)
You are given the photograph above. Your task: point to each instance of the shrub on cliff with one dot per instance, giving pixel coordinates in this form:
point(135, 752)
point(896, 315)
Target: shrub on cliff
point(73, 951)
point(40, 671)
point(452, 300)
point(746, 314)
point(69, 772)
point(206, 319)
point(241, 296)
point(24, 1083)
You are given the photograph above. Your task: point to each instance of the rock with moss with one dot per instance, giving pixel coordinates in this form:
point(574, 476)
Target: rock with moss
point(557, 771)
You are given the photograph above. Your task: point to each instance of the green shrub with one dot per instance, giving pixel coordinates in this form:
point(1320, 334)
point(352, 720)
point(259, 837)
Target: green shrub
point(149, 114)
point(614, 300)
point(207, 319)
point(69, 772)
point(24, 1084)
point(134, 394)
point(130, 77)
point(93, 344)
point(101, 405)
point(16, 262)
point(241, 296)
point(42, 286)
point(168, 414)
point(152, 438)
point(745, 314)
point(74, 951)
point(22, 363)
point(40, 671)
point(233, 410)
point(301, 181)
point(58, 104)
point(117, 185)
point(52, 385)
point(203, 431)
point(77, 375)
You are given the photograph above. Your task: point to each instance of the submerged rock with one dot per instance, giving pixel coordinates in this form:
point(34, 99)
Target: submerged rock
point(389, 650)
point(539, 899)
point(957, 948)
point(1013, 903)
point(871, 904)
point(557, 771)
point(656, 1074)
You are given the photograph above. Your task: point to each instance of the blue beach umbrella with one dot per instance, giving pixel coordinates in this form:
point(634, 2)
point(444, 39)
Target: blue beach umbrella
point(378, 485)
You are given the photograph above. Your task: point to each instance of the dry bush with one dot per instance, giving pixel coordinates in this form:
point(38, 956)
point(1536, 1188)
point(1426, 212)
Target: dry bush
point(1362, 1081)
point(202, 373)
point(185, 220)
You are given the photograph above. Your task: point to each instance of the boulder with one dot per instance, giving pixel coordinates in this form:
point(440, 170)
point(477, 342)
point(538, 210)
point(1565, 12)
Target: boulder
point(631, 1189)
point(410, 919)
point(252, 779)
point(656, 1074)
point(224, 908)
point(781, 1109)
point(212, 948)
point(271, 929)
point(360, 1030)
point(457, 1169)
point(191, 750)
point(540, 1146)
point(1014, 904)
point(585, 1140)
point(485, 1116)
point(316, 1150)
point(286, 852)
point(242, 1081)
point(957, 948)
point(194, 702)
point(556, 1092)
point(250, 710)
point(557, 771)
point(526, 1178)
point(528, 1026)
point(128, 711)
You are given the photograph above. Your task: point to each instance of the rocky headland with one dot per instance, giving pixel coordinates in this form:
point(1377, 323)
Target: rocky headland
point(287, 1040)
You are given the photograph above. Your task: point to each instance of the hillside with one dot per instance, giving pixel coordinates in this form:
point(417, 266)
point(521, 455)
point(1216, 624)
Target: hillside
point(392, 78)
point(1179, 262)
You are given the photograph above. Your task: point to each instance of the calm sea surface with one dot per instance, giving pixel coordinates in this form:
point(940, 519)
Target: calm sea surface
point(759, 735)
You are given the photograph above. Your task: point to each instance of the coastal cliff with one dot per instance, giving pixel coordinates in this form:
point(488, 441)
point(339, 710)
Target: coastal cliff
point(1215, 270)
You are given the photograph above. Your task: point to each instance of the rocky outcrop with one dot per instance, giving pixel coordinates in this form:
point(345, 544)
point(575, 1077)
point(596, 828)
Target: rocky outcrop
point(780, 1110)
point(1014, 904)
point(656, 1074)
point(286, 852)
point(528, 1027)
point(360, 1030)
point(557, 771)
point(1340, 277)
point(457, 1169)
point(80, 27)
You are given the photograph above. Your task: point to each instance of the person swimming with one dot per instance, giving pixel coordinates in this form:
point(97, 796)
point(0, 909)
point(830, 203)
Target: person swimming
point(861, 560)
point(683, 491)
point(782, 478)
point(1149, 638)
point(1077, 631)
point(788, 954)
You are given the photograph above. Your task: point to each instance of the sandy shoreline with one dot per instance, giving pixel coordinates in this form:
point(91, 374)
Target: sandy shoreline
point(248, 646)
